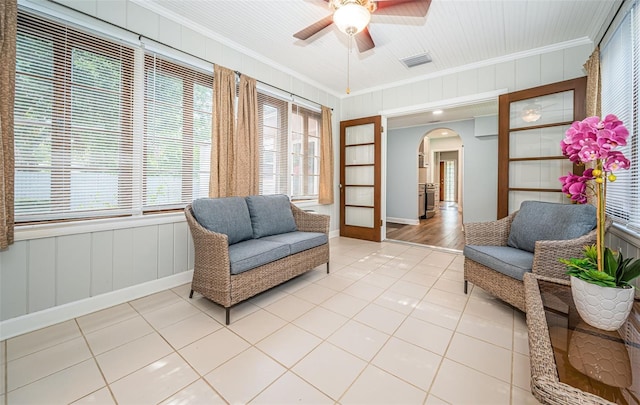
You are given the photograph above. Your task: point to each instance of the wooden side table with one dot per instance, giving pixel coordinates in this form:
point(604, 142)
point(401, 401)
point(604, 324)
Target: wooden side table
point(572, 362)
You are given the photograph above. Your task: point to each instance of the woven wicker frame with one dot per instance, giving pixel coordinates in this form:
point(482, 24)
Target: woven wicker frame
point(211, 272)
point(545, 384)
point(546, 259)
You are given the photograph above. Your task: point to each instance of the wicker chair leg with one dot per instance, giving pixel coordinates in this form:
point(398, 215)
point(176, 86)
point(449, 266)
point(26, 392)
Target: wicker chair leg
point(327, 267)
point(227, 310)
point(191, 294)
point(465, 286)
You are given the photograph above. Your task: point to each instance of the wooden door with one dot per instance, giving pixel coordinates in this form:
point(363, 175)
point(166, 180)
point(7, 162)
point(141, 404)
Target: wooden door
point(531, 125)
point(360, 178)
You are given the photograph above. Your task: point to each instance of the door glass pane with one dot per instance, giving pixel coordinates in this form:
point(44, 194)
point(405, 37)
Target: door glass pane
point(358, 155)
point(357, 175)
point(356, 216)
point(359, 196)
point(538, 173)
point(359, 134)
point(543, 110)
point(538, 142)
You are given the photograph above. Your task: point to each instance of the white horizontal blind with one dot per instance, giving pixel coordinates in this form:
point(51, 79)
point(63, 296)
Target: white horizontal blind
point(305, 152)
point(177, 139)
point(73, 123)
point(273, 114)
point(620, 61)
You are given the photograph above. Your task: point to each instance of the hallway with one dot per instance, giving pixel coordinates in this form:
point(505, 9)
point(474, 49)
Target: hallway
point(442, 230)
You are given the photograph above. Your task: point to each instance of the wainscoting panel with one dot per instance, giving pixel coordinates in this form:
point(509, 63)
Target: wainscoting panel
point(145, 257)
point(101, 262)
point(13, 280)
point(42, 273)
point(73, 264)
point(122, 258)
point(165, 250)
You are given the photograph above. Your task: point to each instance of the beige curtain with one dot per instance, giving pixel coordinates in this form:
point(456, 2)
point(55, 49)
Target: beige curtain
point(325, 193)
point(246, 174)
point(8, 22)
point(222, 147)
point(594, 84)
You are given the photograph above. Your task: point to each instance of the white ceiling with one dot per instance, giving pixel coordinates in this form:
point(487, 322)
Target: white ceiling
point(454, 32)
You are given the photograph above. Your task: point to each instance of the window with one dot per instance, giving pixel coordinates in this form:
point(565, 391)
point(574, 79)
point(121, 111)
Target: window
point(103, 128)
point(305, 153)
point(73, 123)
point(273, 141)
point(289, 148)
point(177, 136)
point(620, 70)
point(77, 153)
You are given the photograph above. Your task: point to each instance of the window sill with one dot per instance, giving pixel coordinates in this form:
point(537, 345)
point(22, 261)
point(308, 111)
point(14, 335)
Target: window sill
point(305, 203)
point(37, 231)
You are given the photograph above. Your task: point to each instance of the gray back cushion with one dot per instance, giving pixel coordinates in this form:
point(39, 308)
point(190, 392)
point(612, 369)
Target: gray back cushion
point(270, 215)
point(539, 220)
point(228, 215)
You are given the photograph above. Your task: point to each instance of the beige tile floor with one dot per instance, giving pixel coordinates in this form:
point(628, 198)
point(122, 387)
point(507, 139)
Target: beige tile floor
point(389, 325)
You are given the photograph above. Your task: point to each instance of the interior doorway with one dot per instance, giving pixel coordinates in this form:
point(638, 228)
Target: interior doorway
point(438, 220)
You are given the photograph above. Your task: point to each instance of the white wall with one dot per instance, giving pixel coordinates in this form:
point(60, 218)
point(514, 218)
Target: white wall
point(48, 268)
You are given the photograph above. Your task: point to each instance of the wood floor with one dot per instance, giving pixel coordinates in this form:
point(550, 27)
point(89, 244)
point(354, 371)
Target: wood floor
point(442, 230)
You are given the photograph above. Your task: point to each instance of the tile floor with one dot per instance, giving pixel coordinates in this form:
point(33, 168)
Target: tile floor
point(389, 325)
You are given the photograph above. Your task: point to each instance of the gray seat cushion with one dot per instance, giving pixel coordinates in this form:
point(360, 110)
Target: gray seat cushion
point(270, 215)
point(537, 220)
point(299, 241)
point(504, 259)
point(252, 253)
point(229, 215)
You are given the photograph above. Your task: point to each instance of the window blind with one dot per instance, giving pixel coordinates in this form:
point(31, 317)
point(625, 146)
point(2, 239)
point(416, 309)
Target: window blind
point(273, 114)
point(177, 138)
point(73, 123)
point(305, 152)
point(620, 62)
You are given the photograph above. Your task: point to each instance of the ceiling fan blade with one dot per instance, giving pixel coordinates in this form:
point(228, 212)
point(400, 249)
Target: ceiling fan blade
point(314, 28)
point(409, 8)
point(364, 40)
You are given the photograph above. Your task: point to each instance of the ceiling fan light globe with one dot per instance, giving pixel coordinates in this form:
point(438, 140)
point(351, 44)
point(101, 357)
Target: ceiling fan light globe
point(351, 18)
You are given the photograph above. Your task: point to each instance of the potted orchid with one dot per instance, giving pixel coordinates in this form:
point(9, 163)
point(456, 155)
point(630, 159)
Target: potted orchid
point(593, 141)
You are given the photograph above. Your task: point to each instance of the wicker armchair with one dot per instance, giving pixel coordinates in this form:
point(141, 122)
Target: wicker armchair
point(545, 259)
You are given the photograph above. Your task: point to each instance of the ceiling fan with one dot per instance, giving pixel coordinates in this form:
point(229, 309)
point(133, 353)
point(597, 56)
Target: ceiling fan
point(353, 16)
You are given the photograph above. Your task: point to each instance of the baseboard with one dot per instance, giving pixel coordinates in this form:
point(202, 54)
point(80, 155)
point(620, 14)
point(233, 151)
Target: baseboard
point(334, 234)
point(50, 316)
point(405, 221)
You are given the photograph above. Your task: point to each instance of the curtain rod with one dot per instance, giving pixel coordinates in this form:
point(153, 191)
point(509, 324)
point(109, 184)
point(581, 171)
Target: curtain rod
point(140, 36)
point(604, 34)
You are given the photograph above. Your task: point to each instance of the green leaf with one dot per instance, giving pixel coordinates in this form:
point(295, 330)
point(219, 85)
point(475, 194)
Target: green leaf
point(610, 264)
point(631, 271)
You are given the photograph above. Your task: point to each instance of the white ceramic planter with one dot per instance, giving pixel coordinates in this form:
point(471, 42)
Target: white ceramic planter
point(602, 307)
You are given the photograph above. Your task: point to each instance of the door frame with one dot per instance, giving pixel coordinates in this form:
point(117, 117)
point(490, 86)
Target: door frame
point(426, 107)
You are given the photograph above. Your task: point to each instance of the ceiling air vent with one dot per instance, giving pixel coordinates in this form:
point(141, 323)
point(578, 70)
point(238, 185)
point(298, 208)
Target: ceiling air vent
point(416, 60)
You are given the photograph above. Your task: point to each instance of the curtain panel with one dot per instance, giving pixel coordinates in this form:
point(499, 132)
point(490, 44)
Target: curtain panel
point(325, 192)
point(594, 84)
point(222, 139)
point(245, 176)
point(8, 26)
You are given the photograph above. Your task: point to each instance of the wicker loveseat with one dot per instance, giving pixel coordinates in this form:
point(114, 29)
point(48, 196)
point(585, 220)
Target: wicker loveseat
point(244, 246)
point(533, 239)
